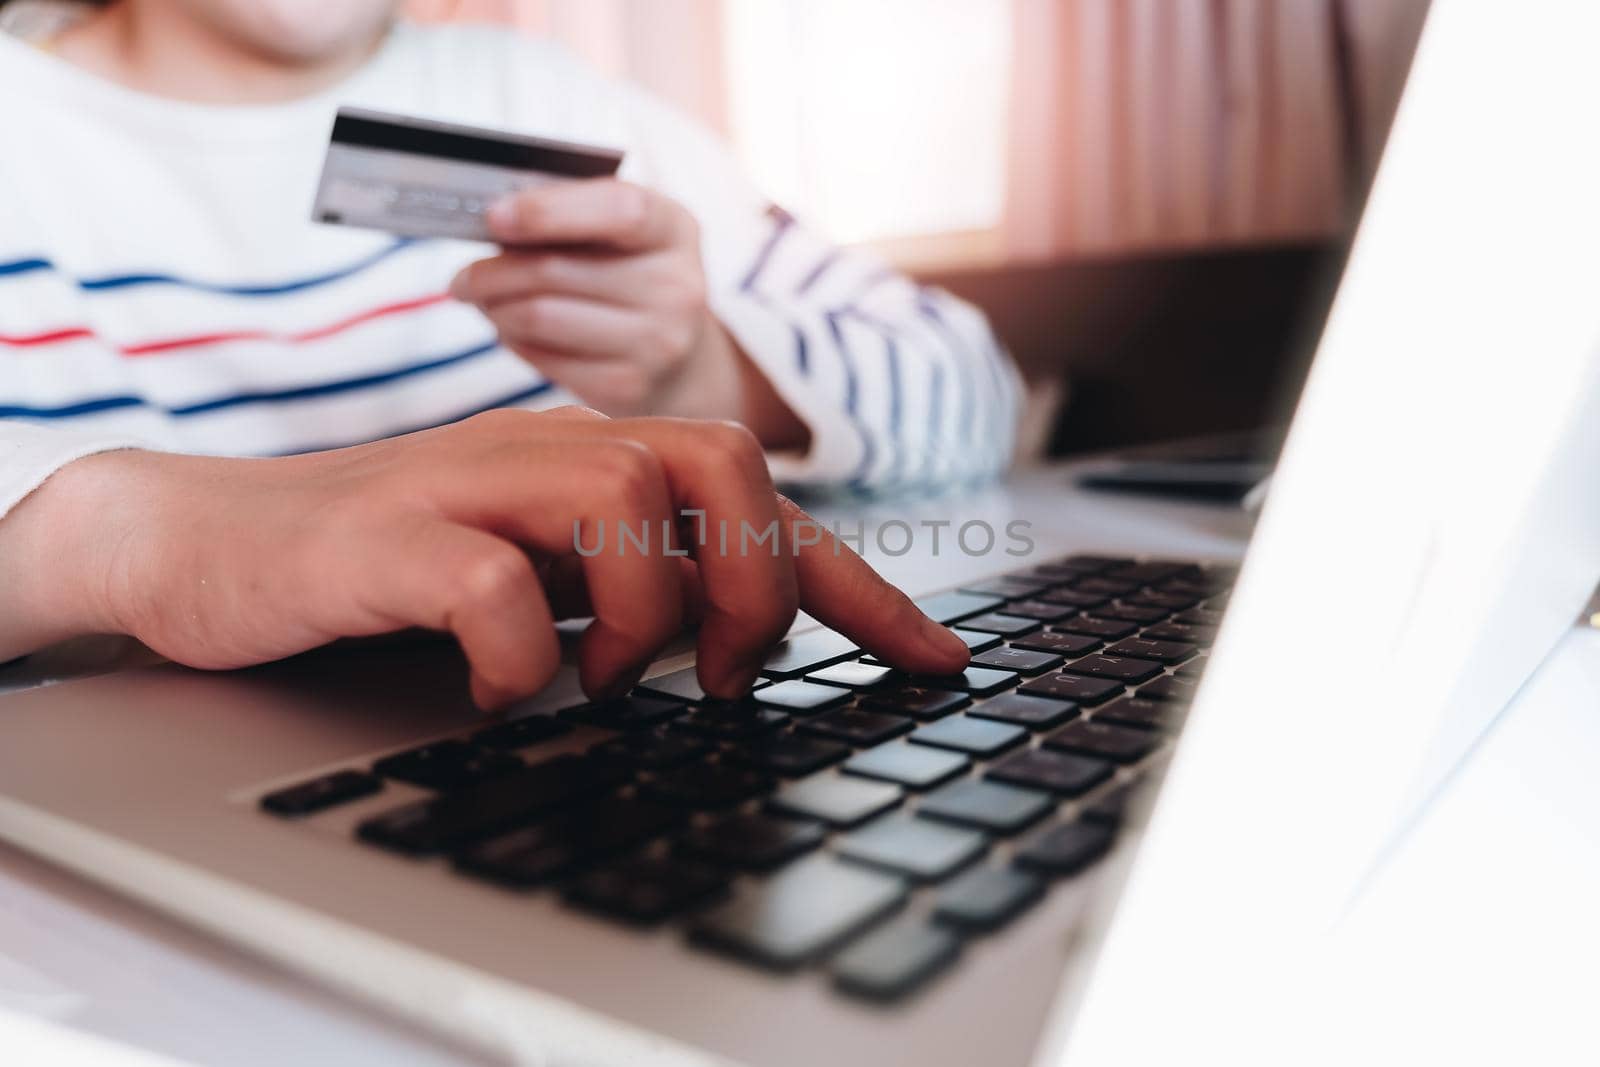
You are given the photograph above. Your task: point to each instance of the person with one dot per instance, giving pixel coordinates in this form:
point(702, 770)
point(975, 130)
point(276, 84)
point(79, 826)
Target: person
point(236, 434)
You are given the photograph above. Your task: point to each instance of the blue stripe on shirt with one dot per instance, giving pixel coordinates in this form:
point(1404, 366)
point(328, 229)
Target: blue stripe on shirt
point(345, 385)
point(127, 281)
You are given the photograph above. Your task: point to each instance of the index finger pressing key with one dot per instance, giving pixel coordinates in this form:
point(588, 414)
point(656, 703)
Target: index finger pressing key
point(841, 590)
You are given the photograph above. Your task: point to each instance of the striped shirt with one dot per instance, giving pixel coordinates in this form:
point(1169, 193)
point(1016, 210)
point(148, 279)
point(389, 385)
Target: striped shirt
point(161, 283)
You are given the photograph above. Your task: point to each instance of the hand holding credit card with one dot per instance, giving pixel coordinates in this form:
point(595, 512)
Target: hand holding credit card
point(422, 178)
point(598, 283)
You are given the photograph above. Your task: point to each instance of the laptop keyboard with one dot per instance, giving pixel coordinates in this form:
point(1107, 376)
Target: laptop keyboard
point(843, 815)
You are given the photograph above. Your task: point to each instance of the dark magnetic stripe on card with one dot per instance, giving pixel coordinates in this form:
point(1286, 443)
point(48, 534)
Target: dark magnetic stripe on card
point(499, 150)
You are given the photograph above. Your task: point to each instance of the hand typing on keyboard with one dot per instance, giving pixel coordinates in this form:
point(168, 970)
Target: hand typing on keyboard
point(474, 529)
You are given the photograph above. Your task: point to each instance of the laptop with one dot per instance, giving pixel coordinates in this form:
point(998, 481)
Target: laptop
point(1158, 776)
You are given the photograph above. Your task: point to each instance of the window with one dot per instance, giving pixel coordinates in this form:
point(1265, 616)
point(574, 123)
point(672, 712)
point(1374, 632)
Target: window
point(874, 121)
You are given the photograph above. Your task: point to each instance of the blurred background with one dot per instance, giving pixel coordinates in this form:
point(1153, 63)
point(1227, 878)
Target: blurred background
point(1149, 197)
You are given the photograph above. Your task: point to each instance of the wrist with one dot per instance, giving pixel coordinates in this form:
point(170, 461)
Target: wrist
point(63, 550)
point(723, 382)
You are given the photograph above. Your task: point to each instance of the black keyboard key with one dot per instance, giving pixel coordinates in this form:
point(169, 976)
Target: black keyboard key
point(835, 800)
point(653, 751)
point(1103, 740)
point(976, 640)
point(1199, 589)
point(1076, 688)
point(1177, 631)
point(1085, 564)
point(1180, 690)
point(1026, 711)
point(522, 733)
point(537, 854)
point(912, 766)
point(917, 702)
point(729, 722)
point(627, 713)
point(1010, 588)
point(1053, 772)
point(706, 786)
point(1059, 644)
point(799, 913)
point(894, 962)
point(1073, 598)
point(1124, 669)
point(1149, 573)
point(990, 806)
point(1192, 670)
point(1167, 602)
point(479, 811)
point(1065, 848)
point(918, 849)
point(788, 755)
point(320, 793)
point(1105, 587)
point(1105, 629)
point(446, 765)
point(752, 842)
point(1138, 713)
point(980, 738)
point(1160, 651)
point(646, 889)
point(953, 607)
point(1021, 660)
point(857, 727)
point(1004, 625)
point(808, 652)
point(1124, 612)
point(1199, 617)
point(1039, 610)
point(979, 681)
point(986, 899)
point(852, 675)
point(802, 698)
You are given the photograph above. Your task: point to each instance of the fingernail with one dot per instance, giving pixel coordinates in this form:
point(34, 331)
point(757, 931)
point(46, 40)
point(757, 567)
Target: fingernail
point(500, 216)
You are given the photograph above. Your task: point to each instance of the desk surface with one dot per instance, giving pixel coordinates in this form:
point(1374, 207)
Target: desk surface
point(86, 958)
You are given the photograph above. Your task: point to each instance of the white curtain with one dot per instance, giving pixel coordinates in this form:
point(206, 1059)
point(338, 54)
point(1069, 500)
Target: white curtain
point(1133, 124)
point(1160, 123)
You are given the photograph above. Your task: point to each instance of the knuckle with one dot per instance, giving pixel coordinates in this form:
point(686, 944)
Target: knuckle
point(625, 472)
point(527, 318)
point(494, 576)
point(631, 205)
point(731, 443)
point(661, 341)
point(540, 271)
point(691, 292)
point(527, 210)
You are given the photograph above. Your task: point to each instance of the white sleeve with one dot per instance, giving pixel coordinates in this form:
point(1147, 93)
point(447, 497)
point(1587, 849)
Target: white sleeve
point(29, 454)
point(899, 384)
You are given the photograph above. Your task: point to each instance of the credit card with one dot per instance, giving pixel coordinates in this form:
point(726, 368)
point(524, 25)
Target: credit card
point(420, 178)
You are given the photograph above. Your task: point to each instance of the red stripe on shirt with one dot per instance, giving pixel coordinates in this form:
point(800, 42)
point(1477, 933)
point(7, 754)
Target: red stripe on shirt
point(176, 344)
